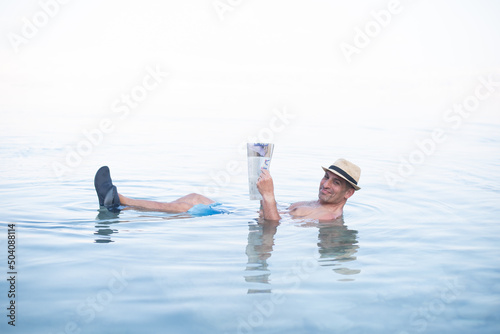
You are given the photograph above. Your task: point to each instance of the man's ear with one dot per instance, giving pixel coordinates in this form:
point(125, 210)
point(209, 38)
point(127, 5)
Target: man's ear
point(349, 193)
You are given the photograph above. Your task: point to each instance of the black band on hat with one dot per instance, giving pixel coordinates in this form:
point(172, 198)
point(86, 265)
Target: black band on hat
point(344, 174)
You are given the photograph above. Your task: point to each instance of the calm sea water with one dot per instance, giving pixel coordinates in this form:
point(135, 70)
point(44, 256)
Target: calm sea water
point(416, 255)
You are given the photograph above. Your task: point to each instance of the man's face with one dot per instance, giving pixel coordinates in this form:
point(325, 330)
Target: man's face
point(334, 189)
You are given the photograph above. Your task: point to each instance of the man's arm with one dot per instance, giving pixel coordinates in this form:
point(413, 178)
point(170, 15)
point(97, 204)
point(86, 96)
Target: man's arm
point(268, 202)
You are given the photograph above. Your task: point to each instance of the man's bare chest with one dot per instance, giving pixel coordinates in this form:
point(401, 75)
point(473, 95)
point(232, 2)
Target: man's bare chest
point(311, 212)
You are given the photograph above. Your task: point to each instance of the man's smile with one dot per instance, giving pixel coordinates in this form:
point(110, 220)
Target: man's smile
point(325, 191)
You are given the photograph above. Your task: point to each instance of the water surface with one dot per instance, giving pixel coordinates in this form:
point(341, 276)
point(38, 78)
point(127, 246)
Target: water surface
point(418, 257)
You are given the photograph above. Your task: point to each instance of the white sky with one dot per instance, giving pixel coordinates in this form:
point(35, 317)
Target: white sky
point(263, 54)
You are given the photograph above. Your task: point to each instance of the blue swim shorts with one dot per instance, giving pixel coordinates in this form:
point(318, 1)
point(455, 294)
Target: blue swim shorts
point(207, 210)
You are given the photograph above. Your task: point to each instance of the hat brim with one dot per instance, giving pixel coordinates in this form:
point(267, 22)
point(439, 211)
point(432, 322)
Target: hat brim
point(355, 186)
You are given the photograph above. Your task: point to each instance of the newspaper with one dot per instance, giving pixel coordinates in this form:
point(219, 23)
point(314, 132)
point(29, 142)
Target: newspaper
point(259, 157)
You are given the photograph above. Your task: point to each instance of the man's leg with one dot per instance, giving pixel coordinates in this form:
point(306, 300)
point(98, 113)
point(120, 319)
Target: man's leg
point(182, 204)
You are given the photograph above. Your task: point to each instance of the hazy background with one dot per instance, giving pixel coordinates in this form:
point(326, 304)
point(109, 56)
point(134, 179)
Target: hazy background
point(255, 57)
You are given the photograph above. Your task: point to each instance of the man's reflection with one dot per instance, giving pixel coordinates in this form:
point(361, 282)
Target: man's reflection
point(337, 246)
point(259, 249)
point(104, 221)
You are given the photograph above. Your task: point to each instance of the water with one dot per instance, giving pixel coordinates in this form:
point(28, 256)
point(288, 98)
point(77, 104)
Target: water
point(418, 257)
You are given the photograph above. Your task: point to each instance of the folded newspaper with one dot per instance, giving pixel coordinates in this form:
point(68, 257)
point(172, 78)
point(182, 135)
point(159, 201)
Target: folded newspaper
point(259, 157)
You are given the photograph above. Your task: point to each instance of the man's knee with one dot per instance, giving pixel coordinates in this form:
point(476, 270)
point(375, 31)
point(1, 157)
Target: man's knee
point(199, 199)
point(176, 207)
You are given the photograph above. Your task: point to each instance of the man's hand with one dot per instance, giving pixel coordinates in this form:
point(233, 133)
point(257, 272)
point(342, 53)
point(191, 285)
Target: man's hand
point(266, 188)
point(265, 185)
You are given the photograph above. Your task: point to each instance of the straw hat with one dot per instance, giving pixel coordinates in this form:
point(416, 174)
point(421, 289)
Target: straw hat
point(346, 170)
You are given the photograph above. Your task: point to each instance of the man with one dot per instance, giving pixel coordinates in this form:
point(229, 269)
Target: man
point(339, 183)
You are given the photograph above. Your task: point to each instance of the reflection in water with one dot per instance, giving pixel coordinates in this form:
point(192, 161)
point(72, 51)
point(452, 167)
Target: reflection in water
point(104, 231)
point(337, 246)
point(259, 248)
point(105, 219)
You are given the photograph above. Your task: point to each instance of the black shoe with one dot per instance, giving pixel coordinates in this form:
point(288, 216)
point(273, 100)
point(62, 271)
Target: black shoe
point(106, 191)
